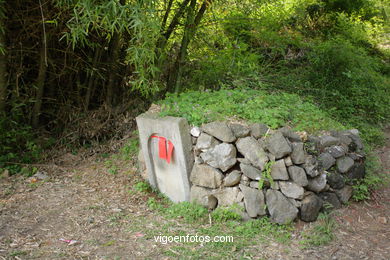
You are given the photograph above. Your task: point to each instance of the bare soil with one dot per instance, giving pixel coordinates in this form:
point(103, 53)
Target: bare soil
point(83, 202)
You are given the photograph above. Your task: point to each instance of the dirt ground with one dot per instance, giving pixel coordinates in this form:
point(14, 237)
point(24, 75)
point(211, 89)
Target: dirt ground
point(81, 201)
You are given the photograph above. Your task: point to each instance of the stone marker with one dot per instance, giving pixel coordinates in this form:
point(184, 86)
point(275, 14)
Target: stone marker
point(171, 178)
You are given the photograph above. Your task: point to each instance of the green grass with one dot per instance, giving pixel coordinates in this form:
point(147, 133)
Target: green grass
point(274, 109)
point(321, 233)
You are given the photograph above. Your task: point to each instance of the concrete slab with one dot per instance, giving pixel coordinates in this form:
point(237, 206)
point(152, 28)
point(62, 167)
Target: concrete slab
point(171, 178)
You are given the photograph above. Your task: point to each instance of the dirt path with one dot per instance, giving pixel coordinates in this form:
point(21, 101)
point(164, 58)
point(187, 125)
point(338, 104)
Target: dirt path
point(81, 201)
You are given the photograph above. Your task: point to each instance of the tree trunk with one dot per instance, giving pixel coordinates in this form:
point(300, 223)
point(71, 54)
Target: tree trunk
point(189, 33)
point(91, 79)
point(112, 68)
point(40, 83)
point(3, 69)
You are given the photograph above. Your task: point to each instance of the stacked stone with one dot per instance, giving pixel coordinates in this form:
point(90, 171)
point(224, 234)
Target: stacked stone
point(274, 172)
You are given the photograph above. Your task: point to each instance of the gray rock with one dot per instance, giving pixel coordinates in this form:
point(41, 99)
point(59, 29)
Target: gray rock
point(198, 160)
point(195, 131)
point(311, 166)
point(310, 207)
point(254, 184)
point(336, 151)
point(252, 150)
point(330, 200)
point(206, 176)
point(258, 130)
point(356, 145)
point(243, 160)
point(344, 194)
point(239, 130)
point(288, 161)
point(275, 185)
point(220, 130)
point(194, 140)
point(357, 171)
point(326, 161)
point(295, 203)
point(240, 196)
point(244, 180)
point(317, 184)
point(278, 145)
point(232, 179)
point(298, 155)
point(254, 201)
point(222, 156)
point(206, 142)
point(279, 207)
point(298, 175)
point(291, 135)
point(227, 196)
point(201, 196)
point(279, 171)
point(250, 171)
point(335, 180)
point(344, 164)
point(327, 140)
point(291, 189)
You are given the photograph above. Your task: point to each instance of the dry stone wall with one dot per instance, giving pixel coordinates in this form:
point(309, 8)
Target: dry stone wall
point(280, 173)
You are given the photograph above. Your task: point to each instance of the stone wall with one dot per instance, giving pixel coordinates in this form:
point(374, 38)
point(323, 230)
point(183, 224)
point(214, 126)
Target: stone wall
point(279, 173)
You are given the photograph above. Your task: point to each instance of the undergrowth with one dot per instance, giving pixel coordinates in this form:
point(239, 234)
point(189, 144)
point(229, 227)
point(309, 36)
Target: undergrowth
point(274, 109)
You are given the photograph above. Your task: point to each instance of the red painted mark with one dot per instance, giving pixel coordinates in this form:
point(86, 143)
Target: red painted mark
point(162, 148)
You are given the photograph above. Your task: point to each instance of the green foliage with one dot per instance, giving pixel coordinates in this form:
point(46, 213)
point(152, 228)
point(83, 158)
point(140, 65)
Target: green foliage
point(142, 187)
point(224, 214)
point(130, 149)
point(321, 233)
point(17, 144)
point(266, 175)
point(273, 109)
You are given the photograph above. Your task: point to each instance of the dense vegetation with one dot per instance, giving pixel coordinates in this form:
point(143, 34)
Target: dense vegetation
point(309, 63)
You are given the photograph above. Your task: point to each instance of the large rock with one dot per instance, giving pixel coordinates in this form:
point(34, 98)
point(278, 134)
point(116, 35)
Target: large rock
point(298, 154)
point(278, 145)
point(254, 201)
point(206, 142)
point(280, 208)
point(298, 175)
point(336, 151)
point(202, 196)
point(258, 130)
point(317, 184)
point(310, 207)
point(222, 156)
point(220, 130)
point(227, 196)
point(291, 189)
point(311, 166)
point(357, 171)
point(344, 164)
point(252, 150)
point(206, 176)
point(239, 131)
point(290, 134)
point(250, 171)
point(326, 161)
point(344, 194)
point(330, 200)
point(335, 180)
point(232, 179)
point(327, 140)
point(279, 171)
